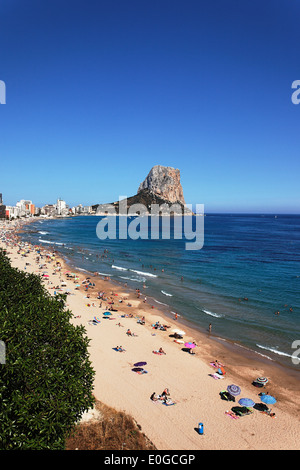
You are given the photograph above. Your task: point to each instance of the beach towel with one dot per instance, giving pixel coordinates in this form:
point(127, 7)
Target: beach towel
point(231, 415)
point(213, 364)
point(169, 403)
point(216, 376)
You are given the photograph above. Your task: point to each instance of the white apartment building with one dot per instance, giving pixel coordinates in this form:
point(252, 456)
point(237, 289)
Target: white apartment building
point(61, 206)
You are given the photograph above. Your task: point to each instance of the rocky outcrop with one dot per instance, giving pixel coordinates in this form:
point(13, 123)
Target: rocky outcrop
point(161, 187)
point(164, 182)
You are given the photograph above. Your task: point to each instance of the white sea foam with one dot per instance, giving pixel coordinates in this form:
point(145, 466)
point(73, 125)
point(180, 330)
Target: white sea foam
point(43, 233)
point(161, 303)
point(212, 314)
point(48, 241)
point(166, 293)
point(119, 268)
point(132, 279)
point(273, 350)
point(143, 274)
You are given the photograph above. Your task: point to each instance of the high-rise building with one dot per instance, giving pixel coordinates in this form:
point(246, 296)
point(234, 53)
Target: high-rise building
point(26, 207)
point(2, 208)
point(61, 206)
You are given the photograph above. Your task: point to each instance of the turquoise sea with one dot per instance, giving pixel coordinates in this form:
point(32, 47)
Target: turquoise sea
point(247, 270)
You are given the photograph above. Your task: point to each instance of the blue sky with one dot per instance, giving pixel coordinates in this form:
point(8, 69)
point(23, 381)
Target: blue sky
point(97, 92)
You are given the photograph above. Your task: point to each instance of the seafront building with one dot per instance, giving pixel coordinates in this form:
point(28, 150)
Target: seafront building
point(2, 208)
point(26, 208)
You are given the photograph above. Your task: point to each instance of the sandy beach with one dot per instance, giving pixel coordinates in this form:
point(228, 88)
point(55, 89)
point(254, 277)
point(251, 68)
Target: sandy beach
point(189, 377)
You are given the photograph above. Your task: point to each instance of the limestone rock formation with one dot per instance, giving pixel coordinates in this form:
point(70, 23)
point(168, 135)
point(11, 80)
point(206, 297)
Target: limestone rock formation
point(164, 181)
point(161, 187)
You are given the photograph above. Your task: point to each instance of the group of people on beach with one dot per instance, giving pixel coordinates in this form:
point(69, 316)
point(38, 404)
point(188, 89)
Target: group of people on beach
point(164, 397)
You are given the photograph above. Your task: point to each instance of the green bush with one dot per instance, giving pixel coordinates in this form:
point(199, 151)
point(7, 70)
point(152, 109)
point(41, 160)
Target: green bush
point(46, 381)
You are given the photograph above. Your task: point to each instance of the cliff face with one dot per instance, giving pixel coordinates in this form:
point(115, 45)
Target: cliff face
point(161, 187)
point(164, 182)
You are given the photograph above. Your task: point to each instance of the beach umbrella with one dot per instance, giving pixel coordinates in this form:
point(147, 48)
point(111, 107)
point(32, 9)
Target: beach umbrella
point(106, 313)
point(246, 402)
point(140, 364)
point(268, 399)
point(137, 369)
point(262, 380)
point(77, 285)
point(234, 390)
point(190, 345)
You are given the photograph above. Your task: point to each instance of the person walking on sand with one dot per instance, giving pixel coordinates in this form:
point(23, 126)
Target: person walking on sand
point(209, 328)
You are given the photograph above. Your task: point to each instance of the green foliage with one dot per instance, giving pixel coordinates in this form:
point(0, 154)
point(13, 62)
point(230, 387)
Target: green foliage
point(46, 382)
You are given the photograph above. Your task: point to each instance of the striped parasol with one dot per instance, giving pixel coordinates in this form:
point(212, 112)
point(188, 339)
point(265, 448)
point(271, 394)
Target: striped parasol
point(262, 380)
point(234, 390)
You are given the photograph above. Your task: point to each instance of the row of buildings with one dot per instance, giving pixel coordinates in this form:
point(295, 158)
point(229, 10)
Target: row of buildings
point(26, 208)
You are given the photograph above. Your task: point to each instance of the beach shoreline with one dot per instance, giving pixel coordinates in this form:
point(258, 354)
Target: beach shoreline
point(184, 374)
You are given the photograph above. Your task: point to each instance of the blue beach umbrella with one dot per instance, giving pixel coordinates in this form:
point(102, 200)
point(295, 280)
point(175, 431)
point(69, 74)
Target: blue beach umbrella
point(268, 399)
point(246, 402)
point(106, 313)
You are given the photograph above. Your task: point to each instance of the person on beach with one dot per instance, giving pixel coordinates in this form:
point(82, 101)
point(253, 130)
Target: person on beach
point(128, 332)
point(209, 328)
point(165, 393)
point(161, 351)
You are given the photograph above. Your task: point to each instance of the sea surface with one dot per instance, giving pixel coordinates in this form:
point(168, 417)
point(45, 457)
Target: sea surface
point(247, 271)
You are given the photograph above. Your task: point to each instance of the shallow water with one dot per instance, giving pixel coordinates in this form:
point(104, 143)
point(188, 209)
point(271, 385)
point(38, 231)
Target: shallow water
point(254, 257)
